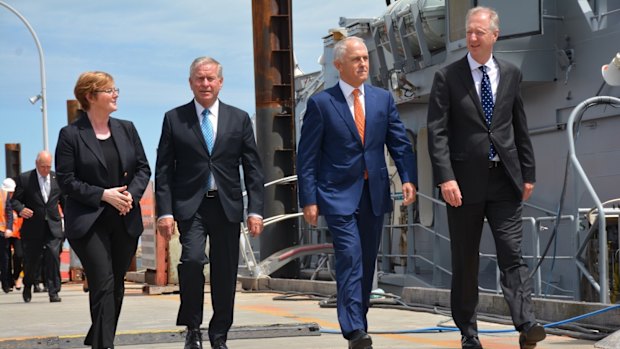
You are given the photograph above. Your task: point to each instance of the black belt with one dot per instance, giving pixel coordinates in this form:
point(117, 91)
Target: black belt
point(493, 164)
point(211, 194)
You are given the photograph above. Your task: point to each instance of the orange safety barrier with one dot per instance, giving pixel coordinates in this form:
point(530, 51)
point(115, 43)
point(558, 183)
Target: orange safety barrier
point(65, 258)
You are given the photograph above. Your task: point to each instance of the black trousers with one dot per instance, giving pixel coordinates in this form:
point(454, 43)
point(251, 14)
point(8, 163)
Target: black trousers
point(210, 220)
point(503, 212)
point(106, 252)
point(43, 254)
point(11, 261)
point(4, 263)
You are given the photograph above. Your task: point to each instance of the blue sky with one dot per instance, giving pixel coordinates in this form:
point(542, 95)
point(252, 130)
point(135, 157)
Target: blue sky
point(147, 46)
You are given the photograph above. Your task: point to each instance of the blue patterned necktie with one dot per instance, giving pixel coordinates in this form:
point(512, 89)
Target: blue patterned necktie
point(207, 133)
point(486, 97)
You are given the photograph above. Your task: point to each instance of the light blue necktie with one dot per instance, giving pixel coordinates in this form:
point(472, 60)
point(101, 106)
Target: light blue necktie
point(207, 133)
point(486, 97)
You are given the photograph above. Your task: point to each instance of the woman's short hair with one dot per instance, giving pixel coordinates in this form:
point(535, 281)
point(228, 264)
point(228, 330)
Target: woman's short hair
point(88, 83)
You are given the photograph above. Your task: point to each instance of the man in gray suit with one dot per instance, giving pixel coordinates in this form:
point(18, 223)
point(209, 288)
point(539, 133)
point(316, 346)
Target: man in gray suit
point(483, 162)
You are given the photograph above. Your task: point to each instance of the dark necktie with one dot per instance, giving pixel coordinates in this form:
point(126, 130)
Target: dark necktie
point(208, 134)
point(486, 97)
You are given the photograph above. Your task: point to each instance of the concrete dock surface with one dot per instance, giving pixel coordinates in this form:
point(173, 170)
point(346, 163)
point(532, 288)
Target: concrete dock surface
point(148, 321)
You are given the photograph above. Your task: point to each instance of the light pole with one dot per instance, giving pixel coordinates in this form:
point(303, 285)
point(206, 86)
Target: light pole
point(42, 68)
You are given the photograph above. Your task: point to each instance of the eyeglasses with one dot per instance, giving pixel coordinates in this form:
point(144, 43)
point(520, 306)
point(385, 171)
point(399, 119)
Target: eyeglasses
point(109, 90)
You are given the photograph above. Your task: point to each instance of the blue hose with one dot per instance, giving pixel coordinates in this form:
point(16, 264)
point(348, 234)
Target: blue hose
point(441, 329)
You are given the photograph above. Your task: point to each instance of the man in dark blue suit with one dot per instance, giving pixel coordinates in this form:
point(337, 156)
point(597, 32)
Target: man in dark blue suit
point(343, 176)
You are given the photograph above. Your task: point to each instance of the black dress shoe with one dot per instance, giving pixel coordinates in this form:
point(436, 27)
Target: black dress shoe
point(360, 340)
point(193, 339)
point(55, 298)
point(470, 342)
point(37, 288)
point(534, 334)
point(219, 343)
point(27, 295)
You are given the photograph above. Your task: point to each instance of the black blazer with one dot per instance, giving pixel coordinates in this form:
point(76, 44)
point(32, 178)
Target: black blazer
point(184, 163)
point(459, 138)
point(28, 194)
point(82, 173)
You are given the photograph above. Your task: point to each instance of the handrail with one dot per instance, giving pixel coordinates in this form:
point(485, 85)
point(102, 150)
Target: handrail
point(602, 258)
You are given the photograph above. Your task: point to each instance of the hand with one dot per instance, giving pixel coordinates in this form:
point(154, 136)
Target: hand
point(409, 193)
point(311, 214)
point(26, 213)
point(255, 225)
point(165, 227)
point(451, 193)
point(128, 194)
point(118, 200)
point(528, 188)
point(8, 233)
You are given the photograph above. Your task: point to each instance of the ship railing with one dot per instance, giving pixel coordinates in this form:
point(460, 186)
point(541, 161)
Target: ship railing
point(318, 244)
point(439, 263)
point(600, 286)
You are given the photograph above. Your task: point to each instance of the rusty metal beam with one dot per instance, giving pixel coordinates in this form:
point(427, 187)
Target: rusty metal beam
point(275, 128)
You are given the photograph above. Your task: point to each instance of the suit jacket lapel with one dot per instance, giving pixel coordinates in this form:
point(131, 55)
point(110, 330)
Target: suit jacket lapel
point(120, 139)
point(224, 124)
point(34, 183)
point(53, 184)
point(90, 140)
point(501, 87)
point(468, 83)
point(192, 119)
point(340, 104)
point(370, 101)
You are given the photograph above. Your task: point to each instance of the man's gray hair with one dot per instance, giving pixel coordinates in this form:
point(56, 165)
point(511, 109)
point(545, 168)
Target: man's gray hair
point(493, 16)
point(206, 60)
point(341, 47)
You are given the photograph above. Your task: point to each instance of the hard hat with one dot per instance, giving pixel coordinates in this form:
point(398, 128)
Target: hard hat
point(8, 185)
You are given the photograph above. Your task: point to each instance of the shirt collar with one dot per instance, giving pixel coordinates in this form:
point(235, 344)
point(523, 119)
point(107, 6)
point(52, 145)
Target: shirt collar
point(473, 65)
point(40, 176)
point(215, 108)
point(347, 89)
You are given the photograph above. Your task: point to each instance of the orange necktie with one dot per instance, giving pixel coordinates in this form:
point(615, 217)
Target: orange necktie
point(360, 119)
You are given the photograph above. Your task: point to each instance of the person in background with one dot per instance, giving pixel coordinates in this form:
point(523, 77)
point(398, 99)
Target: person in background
point(36, 199)
point(8, 233)
point(14, 252)
point(343, 176)
point(483, 162)
point(103, 171)
point(198, 185)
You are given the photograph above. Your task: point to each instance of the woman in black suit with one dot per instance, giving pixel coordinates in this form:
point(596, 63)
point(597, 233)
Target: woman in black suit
point(103, 171)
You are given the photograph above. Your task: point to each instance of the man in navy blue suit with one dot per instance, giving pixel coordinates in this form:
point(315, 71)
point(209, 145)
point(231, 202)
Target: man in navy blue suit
point(343, 176)
point(199, 186)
